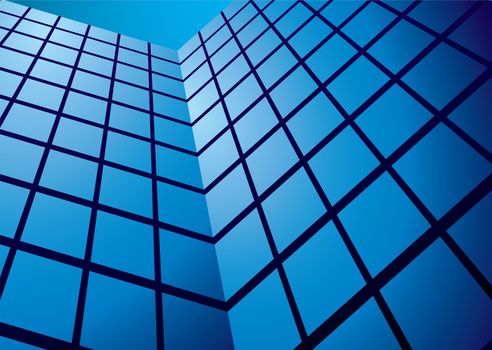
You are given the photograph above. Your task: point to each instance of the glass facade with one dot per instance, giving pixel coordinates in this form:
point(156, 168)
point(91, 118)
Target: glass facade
point(309, 174)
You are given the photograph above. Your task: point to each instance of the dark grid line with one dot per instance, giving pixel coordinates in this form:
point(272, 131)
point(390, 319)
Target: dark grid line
point(36, 339)
point(113, 164)
point(238, 54)
point(85, 93)
point(396, 155)
point(404, 15)
point(328, 207)
point(105, 208)
point(286, 74)
point(11, 30)
point(395, 327)
point(357, 112)
point(113, 273)
point(475, 86)
point(279, 267)
point(199, 45)
point(81, 35)
point(18, 233)
point(81, 302)
point(396, 78)
point(417, 202)
point(93, 73)
point(155, 214)
point(95, 54)
point(216, 52)
point(402, 261)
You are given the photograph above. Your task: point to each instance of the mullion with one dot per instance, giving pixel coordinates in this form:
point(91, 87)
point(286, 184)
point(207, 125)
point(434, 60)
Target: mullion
point(266, 227)
point(328, 207)
point(432, 32)
point(11, 30)
point(79, 315)
point(211, 35)
point(113, 273)
point(104, 161)
point(239, 54)
point(403, 260)
point(155, 214)
point(396, 78)
point(416, 201)
point(18, 233)
point(397, 154)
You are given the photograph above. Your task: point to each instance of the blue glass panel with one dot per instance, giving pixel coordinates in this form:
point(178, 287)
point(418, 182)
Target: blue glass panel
point(209, 326)
point(263, 318)
point(292, 208)
point(209, 126)
point(41, 296)
point(21, 164)
point(79, 137)
point(271, 160)
point(333, 277)
point(400, 45)
point(382, 223)
point(91, 83)
point(351, 95)
point(29, 122)
point(438, 286)
point(41, 94)
point(131, 95)
point(114, 302)
point(126, 191)
point(57, 225)
point(14, 60)
point(66, 38)
point(117, 238)
point(96, 64)
point(221, 205)
point(85, 107)
point(128, 151)
point(401, 116)
point(314, 122)
point(342, 164)
point(456, 169)
point(292, 91)
point(23, 43)
point(177, 205)
point(176, 134)
point(131, 120)
point(10, 82)
point(276, 66)
point(68, 174)
point(323, 63)
point(366, 328)
point(255, 124)
point(53, 72)
point(178, 166)
point(368, 23)
point(446, 71)
point(217, 158)
point(190, 264)
point(59, 53)
point(310, 36)
point(12, 201)
point(242, 253)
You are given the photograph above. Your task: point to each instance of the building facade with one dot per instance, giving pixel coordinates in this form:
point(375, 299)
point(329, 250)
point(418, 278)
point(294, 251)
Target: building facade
point(308, 174)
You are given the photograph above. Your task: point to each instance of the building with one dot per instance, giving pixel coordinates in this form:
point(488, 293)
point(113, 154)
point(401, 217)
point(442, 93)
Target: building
point(299, 174)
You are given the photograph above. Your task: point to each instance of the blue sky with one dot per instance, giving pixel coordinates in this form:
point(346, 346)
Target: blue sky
point(169, 23)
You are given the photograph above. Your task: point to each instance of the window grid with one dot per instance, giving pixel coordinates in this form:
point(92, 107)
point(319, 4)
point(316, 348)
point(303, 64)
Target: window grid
point(438, 227)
